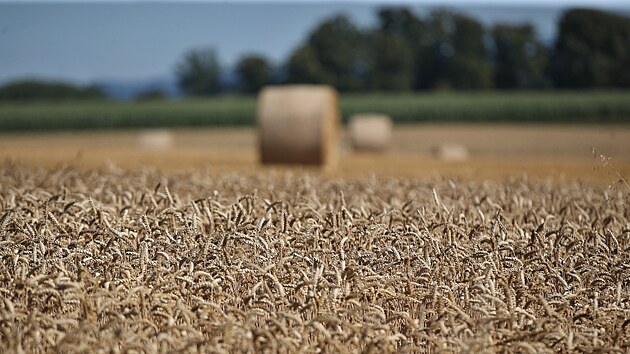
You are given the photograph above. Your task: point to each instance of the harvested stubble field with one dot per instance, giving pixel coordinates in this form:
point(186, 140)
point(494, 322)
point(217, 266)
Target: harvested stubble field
point(141, 261)
point(560, 152)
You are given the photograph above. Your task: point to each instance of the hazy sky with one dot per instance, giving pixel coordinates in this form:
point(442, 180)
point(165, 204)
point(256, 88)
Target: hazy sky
point(141, 40)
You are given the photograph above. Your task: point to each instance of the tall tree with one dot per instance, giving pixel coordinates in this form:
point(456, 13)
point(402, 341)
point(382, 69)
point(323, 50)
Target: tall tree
point(338, 45)
point(199, 73)
point(592, 50)
point(457, 56)
point(402, 21)
point(334, 53)
point(304, 67)
point(392, 64)
point(521, 60)
point(254, 72)
point(397, 48)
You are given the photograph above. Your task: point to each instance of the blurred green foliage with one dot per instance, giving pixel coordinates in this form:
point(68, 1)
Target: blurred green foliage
point(254, 72)
point(199, 72)
point(592, 50)
point(521, 61)
point(455, 56)
point(446, 50)
point(539, 107)
point(80, 115)
point(333, 54)
point(496, 106)
point(35, 90)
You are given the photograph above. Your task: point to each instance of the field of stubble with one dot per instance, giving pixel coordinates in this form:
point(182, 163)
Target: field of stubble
point(141, 261)
point(496, 152)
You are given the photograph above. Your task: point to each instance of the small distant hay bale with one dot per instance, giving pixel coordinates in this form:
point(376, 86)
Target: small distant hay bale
point(370, 132)
point(298, 124)
point(156, 139)
point(451, 152)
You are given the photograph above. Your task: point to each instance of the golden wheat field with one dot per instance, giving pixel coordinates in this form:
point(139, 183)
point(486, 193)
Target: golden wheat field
point(210, 253)
point(142, 261)
point(560, 152)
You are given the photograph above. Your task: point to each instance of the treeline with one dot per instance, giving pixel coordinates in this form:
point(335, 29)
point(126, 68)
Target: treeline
point(405, 52)
point(444, 50)
point(34, 90)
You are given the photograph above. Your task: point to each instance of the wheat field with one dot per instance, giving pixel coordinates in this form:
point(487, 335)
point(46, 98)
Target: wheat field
point(141, 261)
point(496, 152)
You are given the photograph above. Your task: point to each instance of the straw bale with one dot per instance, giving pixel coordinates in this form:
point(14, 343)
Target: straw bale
point(451, 152)
point(370, 132)
point(156, 139)
point(298, 124)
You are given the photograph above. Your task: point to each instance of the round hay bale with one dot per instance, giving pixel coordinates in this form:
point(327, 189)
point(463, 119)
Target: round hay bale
point(298, 124)
point(156, 139)
point(451, 152)
point(370, 132)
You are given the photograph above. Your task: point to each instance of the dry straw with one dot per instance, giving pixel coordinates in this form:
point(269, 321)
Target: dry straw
point(370, 132)
point(298, 124)
point(156, 139)
point(451, 152)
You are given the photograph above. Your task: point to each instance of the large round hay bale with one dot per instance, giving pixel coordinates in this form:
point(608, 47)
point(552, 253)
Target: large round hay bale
point(370, 132)
point(451, 152)
point(156, 139)
point(298, 124)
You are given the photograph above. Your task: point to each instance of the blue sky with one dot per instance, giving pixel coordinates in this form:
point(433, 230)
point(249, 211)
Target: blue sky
point(86, 42)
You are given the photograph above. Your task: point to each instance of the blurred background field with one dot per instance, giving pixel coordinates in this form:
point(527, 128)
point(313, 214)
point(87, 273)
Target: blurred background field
point(487, 107)
point(497, 151)
point(514, 87)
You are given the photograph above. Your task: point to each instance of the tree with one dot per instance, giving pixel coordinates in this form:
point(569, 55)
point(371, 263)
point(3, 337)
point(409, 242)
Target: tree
point(339, 47)
point(457, 56)
point(469, 73)
point(402, 21)
point(304, 68)
point(401, 39)
point(520, 59)
point(333, 54)
point(35, 90)
point(592, 50)
point(199, 73)
point(254, 72)
point(392, 67)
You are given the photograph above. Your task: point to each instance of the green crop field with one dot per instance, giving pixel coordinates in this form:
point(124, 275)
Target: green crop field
point(538, 107)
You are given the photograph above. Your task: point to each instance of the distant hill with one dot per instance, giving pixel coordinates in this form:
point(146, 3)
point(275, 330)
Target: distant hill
point(128, 90)
point(125, 90)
